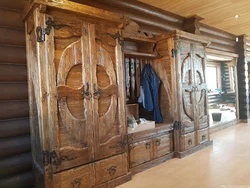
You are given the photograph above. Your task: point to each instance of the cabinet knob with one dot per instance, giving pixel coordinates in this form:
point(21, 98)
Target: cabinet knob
point(112, 170)
point(148, 146)
point(203, 137)
point(190, 142)
point(158, 142)
point(86, 93)
point(97, 92)
point(76, 183)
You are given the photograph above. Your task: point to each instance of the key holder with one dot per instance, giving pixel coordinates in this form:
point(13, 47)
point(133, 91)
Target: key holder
point(41, 32)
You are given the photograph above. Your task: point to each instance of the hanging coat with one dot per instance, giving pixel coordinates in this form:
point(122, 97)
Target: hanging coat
point(150, 83)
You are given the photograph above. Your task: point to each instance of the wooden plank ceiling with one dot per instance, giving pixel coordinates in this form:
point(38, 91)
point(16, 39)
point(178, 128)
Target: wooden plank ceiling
point(217, 13)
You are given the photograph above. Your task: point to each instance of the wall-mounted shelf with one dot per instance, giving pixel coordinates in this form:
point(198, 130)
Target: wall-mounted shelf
point(141, 54)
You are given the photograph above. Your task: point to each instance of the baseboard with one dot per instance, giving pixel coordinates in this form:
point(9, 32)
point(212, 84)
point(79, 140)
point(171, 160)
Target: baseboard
point(244, 120)
point(193, 149)
point(151, 164)
point(116, 182)
point(219, 127)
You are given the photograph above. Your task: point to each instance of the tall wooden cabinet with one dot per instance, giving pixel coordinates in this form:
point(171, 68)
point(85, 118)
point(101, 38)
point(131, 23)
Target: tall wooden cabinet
point(189, 91)
point(76, 89)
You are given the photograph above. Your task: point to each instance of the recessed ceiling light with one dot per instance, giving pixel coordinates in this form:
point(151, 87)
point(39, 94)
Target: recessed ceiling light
point(236, 16)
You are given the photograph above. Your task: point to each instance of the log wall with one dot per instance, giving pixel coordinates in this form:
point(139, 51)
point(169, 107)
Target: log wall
point(15, 155)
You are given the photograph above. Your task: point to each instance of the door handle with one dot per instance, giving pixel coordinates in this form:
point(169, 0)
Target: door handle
point(97, 92)
point(86, 93)
point(158, 142)
point(148, 146)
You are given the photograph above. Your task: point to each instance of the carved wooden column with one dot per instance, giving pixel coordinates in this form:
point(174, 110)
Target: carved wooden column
point(242, 71)
point(192, 24)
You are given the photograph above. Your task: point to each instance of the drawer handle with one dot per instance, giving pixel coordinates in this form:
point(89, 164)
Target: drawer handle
point(112, 170)
point(148, 146)
point(203, 137)
point(158, 142)
point(190, 142)
point(76, 183)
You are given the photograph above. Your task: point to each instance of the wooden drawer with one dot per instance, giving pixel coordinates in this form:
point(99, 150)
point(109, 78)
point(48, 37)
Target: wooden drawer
point(140, 152)
point(81, 177)
point(187, 141)
point(202, 135)
point(111, 168)
point(163, 145)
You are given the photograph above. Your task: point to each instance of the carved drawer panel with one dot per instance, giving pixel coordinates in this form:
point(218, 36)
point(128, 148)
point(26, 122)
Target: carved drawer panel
point(163, 145)
point(111, 168)
point(140, 152)
point(202, 135)
point(81, 177)
point(188, 141)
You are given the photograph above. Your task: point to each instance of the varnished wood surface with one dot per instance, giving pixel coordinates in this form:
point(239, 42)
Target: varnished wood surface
point(12, 18)
point(219, 14)
point(14, 109)
point(12, 54)
point(12, 36)
point(13, 91)
point(23, 180)
point(13, 73)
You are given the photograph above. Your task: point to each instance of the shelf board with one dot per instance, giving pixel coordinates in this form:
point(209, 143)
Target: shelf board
point(139, 39)
point(149, 55)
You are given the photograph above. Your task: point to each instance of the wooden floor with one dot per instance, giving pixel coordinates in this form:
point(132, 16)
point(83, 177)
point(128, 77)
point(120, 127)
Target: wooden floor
point(226, 164)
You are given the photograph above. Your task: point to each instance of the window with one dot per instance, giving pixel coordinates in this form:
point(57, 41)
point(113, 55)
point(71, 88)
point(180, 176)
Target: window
point(213, 76)
point(232, 80)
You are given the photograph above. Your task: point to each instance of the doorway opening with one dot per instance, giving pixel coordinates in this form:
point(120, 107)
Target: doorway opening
point(222, 101)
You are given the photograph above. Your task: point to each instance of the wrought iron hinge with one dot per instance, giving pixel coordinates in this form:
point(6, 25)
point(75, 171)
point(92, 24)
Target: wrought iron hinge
point(41, 32)
point(117, 36)
point(177, 125)
point(174, 53)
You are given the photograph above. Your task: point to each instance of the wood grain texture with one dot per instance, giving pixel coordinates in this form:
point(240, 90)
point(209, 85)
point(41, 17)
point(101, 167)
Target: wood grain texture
point(210, 11)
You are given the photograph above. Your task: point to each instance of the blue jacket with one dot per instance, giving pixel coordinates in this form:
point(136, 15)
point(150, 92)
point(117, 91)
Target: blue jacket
point(150, 83)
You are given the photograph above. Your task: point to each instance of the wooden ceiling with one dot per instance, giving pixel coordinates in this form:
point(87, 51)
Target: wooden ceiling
point(216, 13)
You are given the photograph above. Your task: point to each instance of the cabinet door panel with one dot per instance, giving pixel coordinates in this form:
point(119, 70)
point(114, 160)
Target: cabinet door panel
point(163, 145)
point(108, 95)
point(187, 83)
point(74, 105)
point(140, 152)
point(201, 112)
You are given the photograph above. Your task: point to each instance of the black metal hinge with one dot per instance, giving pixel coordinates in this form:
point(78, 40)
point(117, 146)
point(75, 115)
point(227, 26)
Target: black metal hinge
point(41, 32)
point(117, 36)
point(177, 125)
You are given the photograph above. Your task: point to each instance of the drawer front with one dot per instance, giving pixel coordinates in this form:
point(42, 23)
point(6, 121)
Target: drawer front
point(188, 141)
point(202, 135)
point(140, 152)
point(111, 168)
point(81, 177)
point(163, 145)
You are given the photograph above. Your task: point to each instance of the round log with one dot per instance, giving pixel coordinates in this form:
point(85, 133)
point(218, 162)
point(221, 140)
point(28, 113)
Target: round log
point(15, 165)
point(14, 4)
point(14, 109)
point(24, 180)
point(13, 91)
point(12, 54)
point(213, 31)
point(10, 72)
point(145, 9)
point(14, 146)
point(12, 19)
point(10, 36)
point(219, 40)
point(222, 47)
point(14, 127)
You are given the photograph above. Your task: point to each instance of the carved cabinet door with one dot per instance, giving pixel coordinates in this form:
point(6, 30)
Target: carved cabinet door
point(200, 89)
point(108, 93)
point(74, 145)
point(187, 114)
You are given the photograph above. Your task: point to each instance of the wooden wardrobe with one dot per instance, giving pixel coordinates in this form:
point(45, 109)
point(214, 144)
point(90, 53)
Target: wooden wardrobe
point(77, 95)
